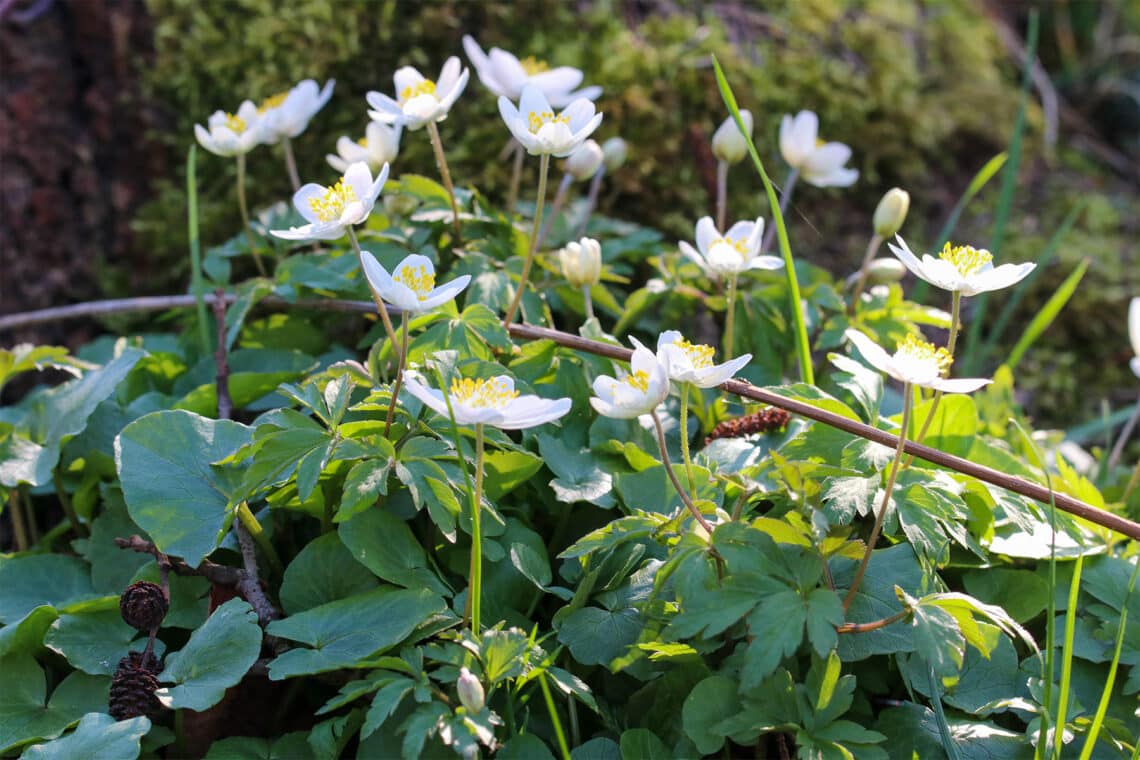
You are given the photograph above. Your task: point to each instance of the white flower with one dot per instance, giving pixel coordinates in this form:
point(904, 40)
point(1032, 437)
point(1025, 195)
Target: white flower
point(418, 100)
point(916, 362)
point(728, 144)
point(962, 268)
point(504, 74)
point(583, 163)
point(411, 286)
point(582, 262)
point(614, 152)
point(287, 114)
point(231, 134)
point(492, 402)
point(819, 163)
point(535, 125)
point(891, 212)
point(731, 253)
point(380, 145)
point(636, 393)
point(329, 211)
point(686, 362)
point(1134, 333)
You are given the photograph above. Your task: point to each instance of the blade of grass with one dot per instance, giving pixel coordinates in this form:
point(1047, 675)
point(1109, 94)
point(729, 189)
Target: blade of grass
point(1089, 430)
point(1041, 321)
point(948, 745)
point(803, 348)
point(1043, 260)
point(1106, 695)
point(1008, 185)
point(197, 287)
point(1067, 658)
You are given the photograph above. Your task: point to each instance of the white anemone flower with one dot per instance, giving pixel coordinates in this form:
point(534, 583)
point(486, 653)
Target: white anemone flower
point(819, 163)
point(915, 362)
point(686, 362)
point(1134, 333)
point(731, 253)
point(330, 211)
point(962, 268)
point(635, 393)
point(287, 114)
point(582, 262)
point(583, 163)
point(728, 144)
point(380, 145)
point(411, 286)
point(419, 100)
point(535, 125)
point(232, 134)
point(493, 402)
point(504, 74)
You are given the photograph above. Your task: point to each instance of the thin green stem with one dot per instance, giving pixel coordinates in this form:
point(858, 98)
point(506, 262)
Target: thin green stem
point(1132, 483)
point(721, 194)
point(516, 176)
point(592, 199)
point(244, 209)
point(955, 326)
point(1067, 657)
point(253, 527)
point(19, 526)
point(554, 719)
point(864, 271)
point(589, 300)
point(475, 579)
point(730, 318)
point(445, 173)
point(673, 476)
point(1125, 434)
point(785, 201)
point(68, 508)
point(401, 362)
point(543, 167)
point(291, 163)
point(685, 390)
point(380, 306)
point(882, 513)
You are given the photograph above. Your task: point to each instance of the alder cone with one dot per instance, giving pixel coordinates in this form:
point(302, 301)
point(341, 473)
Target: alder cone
point(143, 605)
point(133, 687)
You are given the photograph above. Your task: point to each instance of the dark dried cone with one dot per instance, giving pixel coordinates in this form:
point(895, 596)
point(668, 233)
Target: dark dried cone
point(135, 660)
point(764, 421)
point(144, 605)
point(132, 690)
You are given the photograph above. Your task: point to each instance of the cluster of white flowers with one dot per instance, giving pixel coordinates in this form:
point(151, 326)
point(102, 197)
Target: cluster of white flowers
point(284, 115)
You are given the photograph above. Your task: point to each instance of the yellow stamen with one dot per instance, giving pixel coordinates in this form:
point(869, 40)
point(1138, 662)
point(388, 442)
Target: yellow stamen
point(539, 119)
point(820, 142)
point(915, 349)
point(741, 246)
point(362, 142)
point(638, 379)
point(532, 65)
point(966, 259)
point(494, 393)
point(417, 279)
point(235, 123)
point(330, 205)
point(272, 102)
point(700, 355)
point(426, 87)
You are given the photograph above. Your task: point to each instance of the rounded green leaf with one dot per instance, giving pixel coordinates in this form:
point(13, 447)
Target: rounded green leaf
point(215, 658)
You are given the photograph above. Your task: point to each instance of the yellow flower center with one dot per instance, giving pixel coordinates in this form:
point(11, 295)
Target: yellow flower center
point(272, 102)
point(362, 142)
point(966, 259)
point(820, 142)
point(741, 246)
point(540, 119)
point(235, 123)
point(426, 87)
point(700, 355)
point(915, 349)
point(532, 65)
point(492, 393)
point(416, 279)
point(639, 380)
point(330, 205)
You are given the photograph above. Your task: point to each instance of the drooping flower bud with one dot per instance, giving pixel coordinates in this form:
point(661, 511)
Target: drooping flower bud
point(582, 262)
point(614, 152)
point(891, 212)
point(728, 144)
point(885, 270)
point(470, 691)
point(584, 161)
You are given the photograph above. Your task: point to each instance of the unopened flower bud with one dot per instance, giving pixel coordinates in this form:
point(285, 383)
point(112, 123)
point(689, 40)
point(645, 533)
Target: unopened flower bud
point(728, 144)
point(470, 691)
point(883, 271)
point(891, 212)
point(584, 161)
point(582, 262)
point(614, 152)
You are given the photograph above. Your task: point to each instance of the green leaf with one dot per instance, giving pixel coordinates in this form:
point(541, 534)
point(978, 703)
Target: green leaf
point(955, 423)
point(937, 637)
point(711, 701)
point(824, 613)
point(912, 731)
point(876, 600)
point(97, 737)
point(215, 658)
point(777, 628)
point(23, 580)
point(385, 544)
point(598, 748)
point(524, 747)
point(254, 373)
point(294, 746)
point(26, 635)
point(596, 636)
point(172, 489)
point(1022, 593)
point(94, 641)
point(366, 482)
point(643, 744)
point(111, 567)
point(348, 630)
point(507, 470)
point(26, 357)
point(322, 572)
point(384, 703)
point(24, 717)
point(579, 478)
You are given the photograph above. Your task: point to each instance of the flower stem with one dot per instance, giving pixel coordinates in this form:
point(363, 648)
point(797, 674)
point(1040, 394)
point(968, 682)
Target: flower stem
point(589, 302)
point(19, 527)
point(245, 214)
point(401, 361)
point(516, 176)
point(785, 199)
point(685, 390)
point(475, 574)
point(543, 167)
point(592, 199)
point(730, 317)
point(291, 163)
point(673, 476)
point(378, 301)
point(1132, 483)
point(721, 193)
point(249, 521)
point(882, 513)
point(555, 207)
point(68, 508)
point(441, 162)
point(864, 271)
point(563, 748)
point(1125, 434)
point(955, 325)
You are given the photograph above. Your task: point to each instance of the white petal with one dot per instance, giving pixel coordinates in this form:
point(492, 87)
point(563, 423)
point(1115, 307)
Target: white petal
point(903, 253)
point(377, 276)
point(532, 101)
point(452, 95)
point(766, 262)
point(448, 75)
point(431, 398)
point(475, 54)
point(805, 133)
point(959, 385)
point(302, 198)
point(444, 293)
point(706, 233)
point(1134, 325)
point(942, 273)
point(529, 411)
point(710, 377)
point(406, 77)
point(667, 338)
point(1135, 365)
point(997, 278)
point(692, 253)
point(875, 354)
point(593, 92)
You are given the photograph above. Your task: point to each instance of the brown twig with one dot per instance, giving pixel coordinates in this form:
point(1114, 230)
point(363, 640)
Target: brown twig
point(874, 625)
